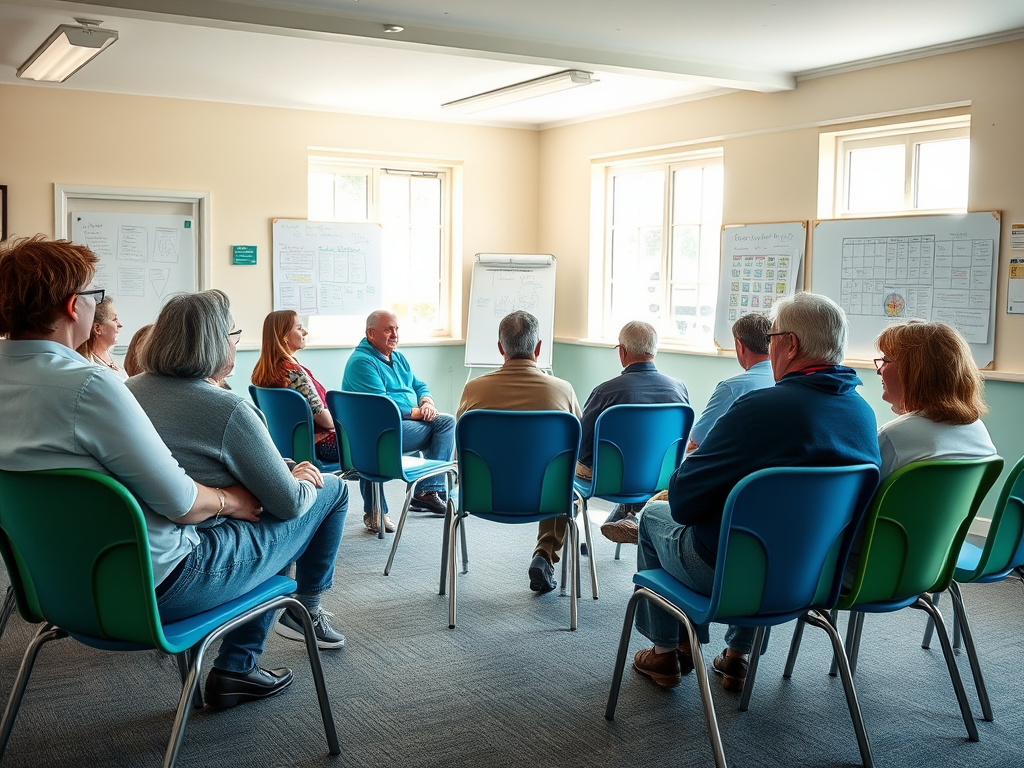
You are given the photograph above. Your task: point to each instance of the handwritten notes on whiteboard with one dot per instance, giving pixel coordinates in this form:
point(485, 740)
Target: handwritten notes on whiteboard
point(327, 268)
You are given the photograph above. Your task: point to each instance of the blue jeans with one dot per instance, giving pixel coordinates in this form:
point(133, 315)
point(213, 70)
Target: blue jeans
point(436, 439)
point(666, 544)
point(237, 556)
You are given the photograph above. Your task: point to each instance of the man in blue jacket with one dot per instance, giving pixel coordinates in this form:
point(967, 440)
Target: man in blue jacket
point(376, 367)
point(813, 416)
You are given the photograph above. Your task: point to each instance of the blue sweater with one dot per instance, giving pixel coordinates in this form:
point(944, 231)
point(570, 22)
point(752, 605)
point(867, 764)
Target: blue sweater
point(367, 370)
point(808, 419)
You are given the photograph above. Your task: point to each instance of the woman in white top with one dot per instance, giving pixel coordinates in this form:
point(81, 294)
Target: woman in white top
point(930, 379)
point(103, 337)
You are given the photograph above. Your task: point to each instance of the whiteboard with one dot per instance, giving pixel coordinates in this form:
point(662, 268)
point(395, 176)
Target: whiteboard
point(144, 258)
point(326, 267)
point(761, 263)
point(503, 283)
point(888, 270)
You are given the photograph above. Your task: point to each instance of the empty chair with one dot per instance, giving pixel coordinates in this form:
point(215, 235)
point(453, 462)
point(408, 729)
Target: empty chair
point(780, 557)
point(290, 423)
point(913, 532)
point(84, 569)
point(518, 467)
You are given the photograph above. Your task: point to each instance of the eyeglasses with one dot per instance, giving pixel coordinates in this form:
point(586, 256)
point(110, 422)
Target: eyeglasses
point(236, 336)
point(98, 294)
point(880, 361)
point(779, 333)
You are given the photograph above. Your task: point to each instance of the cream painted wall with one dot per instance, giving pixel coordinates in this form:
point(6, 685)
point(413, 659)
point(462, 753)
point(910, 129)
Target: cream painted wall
point(770, 144)
point(253, 162)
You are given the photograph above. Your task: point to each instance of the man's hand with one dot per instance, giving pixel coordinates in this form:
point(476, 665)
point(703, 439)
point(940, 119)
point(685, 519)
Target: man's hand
point(310, 472)
point(427, 411)
point(239, 504)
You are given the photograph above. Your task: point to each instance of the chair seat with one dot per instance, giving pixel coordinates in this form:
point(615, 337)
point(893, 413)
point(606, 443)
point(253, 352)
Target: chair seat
point(182, 635)
point(413, 468)
point(513, 519)
point(884, 607)
point(660, 581)
point(967, 564)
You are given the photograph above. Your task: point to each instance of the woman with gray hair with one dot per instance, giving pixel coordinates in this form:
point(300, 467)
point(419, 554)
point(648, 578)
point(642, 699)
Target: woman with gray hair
point(220, 438)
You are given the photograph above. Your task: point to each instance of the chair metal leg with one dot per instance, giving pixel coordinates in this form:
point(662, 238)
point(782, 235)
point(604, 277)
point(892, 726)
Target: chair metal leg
point(573, 539)
point(184, 660)
point(465, 549)
point(409, 491)
point(378, 508)
point(817, 619)
point(590, 547)
point(449, 514)
point(7, 609)
point(566, 543)
point(851, 639)
point(794, 648)
point(755, 657)
point(926, 642)
point(45, 634)
point(456, 524)
point(620, 656)
point(714, 735)
point(854, 651)
point(618, 551)
point(318, 677)
point(960, 619)
point(924, 604)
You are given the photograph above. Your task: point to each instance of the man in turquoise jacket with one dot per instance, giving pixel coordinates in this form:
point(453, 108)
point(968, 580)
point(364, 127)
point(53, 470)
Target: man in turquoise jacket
point(377, 368)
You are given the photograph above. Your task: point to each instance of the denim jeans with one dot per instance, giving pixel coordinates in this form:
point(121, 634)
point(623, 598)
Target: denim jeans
point(237, 556)
point(666, 544)
point(436, 439)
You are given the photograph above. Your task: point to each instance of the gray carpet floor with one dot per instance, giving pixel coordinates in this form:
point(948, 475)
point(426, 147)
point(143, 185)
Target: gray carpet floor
point(511, 686)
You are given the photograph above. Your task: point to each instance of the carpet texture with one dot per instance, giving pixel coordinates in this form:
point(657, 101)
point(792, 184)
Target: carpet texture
point(512, 687)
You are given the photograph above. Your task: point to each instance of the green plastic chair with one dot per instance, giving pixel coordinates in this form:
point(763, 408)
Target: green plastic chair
point(76, 548)
point(913, 531)
point(1000, 557)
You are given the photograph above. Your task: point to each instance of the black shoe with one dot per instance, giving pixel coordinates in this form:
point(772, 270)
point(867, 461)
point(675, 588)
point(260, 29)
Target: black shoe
point(542, 575)
point(226, 689)
point(431, 501)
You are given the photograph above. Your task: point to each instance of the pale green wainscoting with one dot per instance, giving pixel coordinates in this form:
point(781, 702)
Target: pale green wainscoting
point(441, 366)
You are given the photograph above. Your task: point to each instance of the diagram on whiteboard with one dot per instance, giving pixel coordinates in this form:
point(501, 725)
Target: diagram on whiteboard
point(920, 276)
point(756, 282)
point(511, 290)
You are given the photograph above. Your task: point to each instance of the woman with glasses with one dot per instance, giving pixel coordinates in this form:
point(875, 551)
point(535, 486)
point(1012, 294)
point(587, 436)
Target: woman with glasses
point(934, 387)
point(105, 327)
point(221, 438)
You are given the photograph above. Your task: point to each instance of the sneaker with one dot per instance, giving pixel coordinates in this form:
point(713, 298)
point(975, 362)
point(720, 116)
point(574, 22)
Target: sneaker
point(624, 531)
point(372, 523)
point(389, 527)
point(662, 668)
point(733, 670)
point(326, 635)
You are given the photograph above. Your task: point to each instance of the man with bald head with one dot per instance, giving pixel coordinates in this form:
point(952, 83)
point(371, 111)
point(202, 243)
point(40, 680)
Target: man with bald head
point(376, 367)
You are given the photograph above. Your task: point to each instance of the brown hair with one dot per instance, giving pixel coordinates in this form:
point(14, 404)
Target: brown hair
point(103, 310)
point(274, 356)
point(132, 358)
point(37, 276)
point(940, 379)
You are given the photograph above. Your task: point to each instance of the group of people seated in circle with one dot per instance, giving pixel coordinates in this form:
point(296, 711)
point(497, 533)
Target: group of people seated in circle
point(225, 511)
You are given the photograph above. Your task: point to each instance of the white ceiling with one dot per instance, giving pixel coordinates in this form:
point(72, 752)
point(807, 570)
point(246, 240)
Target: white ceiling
point(333, 55)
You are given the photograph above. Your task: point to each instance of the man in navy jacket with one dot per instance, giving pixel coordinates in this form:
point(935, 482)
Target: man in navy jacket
point(813, 416)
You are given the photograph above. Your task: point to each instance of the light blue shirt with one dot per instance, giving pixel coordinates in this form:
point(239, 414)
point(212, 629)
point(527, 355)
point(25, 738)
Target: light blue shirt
point(60, 412)
point(758, 376)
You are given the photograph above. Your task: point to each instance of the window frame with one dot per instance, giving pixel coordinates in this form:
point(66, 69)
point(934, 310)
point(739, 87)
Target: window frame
point(373, 168)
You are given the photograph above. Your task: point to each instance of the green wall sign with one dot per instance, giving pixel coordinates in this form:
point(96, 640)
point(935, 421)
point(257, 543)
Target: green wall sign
point(244, 255)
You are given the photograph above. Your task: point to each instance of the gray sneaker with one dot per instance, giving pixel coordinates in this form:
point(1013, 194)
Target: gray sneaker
point(326, 635)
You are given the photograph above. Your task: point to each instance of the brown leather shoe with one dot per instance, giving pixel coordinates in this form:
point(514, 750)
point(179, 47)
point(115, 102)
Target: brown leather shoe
point(685, 656)
point(624, 531)
point(431, 501)
point(733, 670)
point(662, 668)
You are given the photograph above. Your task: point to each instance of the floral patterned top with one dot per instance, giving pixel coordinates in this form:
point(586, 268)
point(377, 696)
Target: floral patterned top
point(302, 381)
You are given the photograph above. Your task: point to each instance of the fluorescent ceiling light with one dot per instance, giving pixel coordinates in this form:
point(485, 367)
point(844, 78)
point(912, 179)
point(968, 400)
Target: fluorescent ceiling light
point(541, 86)
point(66, 51)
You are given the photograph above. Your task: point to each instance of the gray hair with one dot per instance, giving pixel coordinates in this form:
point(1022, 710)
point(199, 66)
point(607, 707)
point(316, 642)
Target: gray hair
point(639, 339)
point(519, 333)
point(818, 322)
point(753, 330)
point(189, 339)
point(374, 317)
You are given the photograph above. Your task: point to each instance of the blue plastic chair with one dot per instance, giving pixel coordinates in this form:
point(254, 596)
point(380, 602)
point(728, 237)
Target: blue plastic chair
point(518, 467)
point(290, 423)
point(636, 450)
point(1000, 557)
point(785, 537)
point(369, 430)
point(76, 548)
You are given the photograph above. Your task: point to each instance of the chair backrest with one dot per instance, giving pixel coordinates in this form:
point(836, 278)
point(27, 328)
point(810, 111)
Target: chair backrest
point(915, 526)
point(638, 447)
point(786, 534)
point(74, 542)
point(1004, 545)
point(289, 420)
point(369, 430)
point(516, 466)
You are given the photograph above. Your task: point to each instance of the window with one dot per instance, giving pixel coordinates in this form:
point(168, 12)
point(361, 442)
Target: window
point(662, 246)
point(412, 203)
point(907, 168)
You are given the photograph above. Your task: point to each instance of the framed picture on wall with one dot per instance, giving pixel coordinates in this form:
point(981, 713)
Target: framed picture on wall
point(3, 212)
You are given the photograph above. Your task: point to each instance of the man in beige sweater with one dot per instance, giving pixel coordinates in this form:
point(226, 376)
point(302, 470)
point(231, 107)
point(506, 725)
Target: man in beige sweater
point(519, 385)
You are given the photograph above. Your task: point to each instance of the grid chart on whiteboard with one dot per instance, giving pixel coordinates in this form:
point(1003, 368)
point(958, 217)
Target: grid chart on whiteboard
point(920, 276)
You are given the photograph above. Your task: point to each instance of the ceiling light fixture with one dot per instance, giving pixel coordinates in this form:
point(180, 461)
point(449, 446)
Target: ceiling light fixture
point(67, 50)
point(541, 86)
point(393, 28)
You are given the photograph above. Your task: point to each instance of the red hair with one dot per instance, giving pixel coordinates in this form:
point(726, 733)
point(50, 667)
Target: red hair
point(275, 358)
